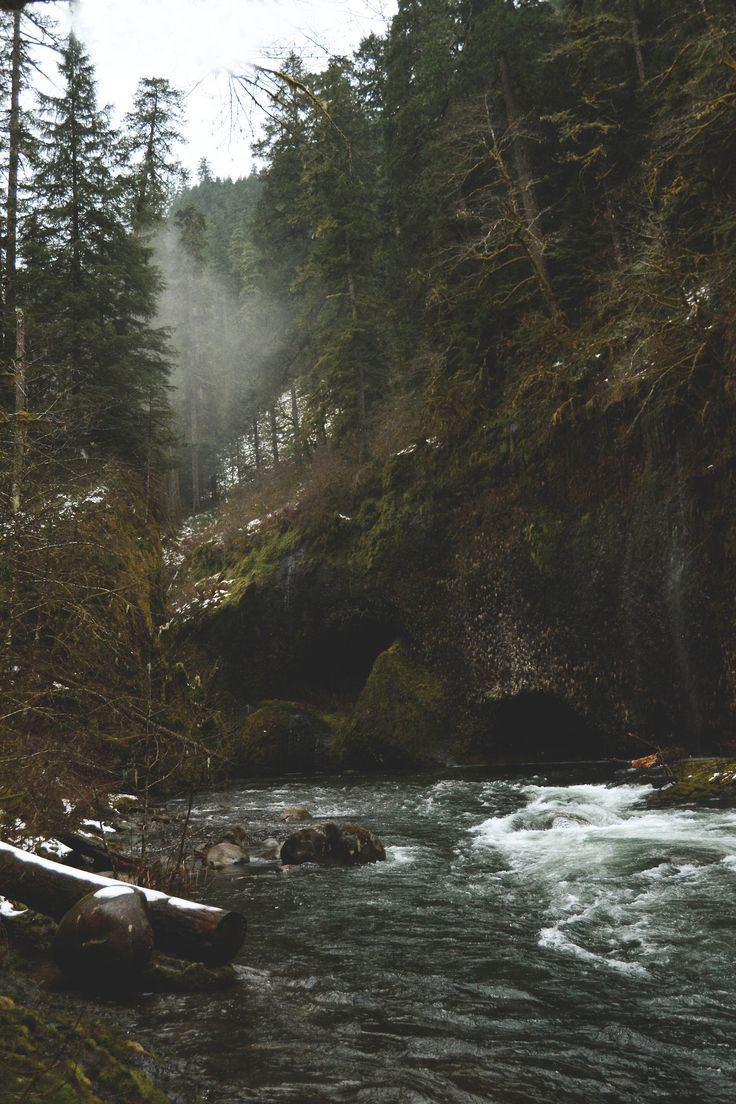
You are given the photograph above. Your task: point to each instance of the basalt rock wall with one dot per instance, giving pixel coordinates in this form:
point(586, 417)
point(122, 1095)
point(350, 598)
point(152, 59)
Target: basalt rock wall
point(536, 616)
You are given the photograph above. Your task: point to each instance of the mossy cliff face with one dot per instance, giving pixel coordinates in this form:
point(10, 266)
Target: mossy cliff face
point(558, 616)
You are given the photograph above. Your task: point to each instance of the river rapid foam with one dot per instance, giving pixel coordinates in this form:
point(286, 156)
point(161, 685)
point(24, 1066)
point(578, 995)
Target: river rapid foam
point(537, 940)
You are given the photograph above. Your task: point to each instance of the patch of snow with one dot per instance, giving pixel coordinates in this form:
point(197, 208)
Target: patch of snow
point(67, 504)
point(54, 846)
point(6, 909)
point(106, 829)
point(113, 891)
point(91, 880)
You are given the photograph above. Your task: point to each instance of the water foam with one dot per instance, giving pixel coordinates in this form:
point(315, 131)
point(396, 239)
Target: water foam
point(604, 869)
point(556, 939)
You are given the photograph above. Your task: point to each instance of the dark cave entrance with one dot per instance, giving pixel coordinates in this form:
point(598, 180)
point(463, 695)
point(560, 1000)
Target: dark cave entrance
point(338, 657)
point(536, 726)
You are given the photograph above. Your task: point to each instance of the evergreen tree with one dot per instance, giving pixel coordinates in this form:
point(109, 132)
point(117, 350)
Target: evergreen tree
point(90, 285)
point(341, 274)
point(152, 135)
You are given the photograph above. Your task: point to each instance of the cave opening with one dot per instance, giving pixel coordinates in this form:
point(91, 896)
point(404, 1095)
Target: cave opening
point(535, 726)
point(339, 656)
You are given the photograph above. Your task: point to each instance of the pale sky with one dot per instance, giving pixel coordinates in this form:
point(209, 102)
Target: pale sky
point(194, 43)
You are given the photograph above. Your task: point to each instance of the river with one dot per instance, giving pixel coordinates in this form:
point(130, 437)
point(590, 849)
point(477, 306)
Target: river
point(535, 939)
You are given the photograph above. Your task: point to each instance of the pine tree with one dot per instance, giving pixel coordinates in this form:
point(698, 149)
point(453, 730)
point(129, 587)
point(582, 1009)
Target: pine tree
point(152, 134)
point(90, 285)
point(341, 273)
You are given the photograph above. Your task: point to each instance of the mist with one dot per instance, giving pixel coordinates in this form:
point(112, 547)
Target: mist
point(230, 356)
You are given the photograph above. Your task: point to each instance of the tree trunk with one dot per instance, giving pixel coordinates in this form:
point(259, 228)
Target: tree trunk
point(613, 227)
point(190, 366)
point(21, 408)
point(182, 928)
point(523, 163)
point(11, 213)
point(358, 363)
point(636, 41)
point(274, 435)
point(295, 427)
point(256, 444)
point(194, 442)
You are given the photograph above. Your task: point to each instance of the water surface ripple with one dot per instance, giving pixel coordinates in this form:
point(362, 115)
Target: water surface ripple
point(528, 940)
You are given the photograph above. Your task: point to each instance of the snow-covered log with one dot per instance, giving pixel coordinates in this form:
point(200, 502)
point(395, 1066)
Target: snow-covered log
point(182, 928)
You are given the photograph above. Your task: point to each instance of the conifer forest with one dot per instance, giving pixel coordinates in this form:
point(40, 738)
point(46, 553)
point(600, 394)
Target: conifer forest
point(368, 565)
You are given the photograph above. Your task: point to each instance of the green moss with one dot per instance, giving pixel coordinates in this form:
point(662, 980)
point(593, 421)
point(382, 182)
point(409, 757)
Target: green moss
point(207, 559)
point(54, 1060)
point(260, 563)
point(544, 537)
point(403, 716)
point(281, 737)
point(711, 780)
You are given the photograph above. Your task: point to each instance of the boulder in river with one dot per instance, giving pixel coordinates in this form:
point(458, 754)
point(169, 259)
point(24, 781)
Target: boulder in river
point(295, 812)
point(165, 974)
point(106, 938)
point(333, 844)
point(402, 717)
point(227, 853)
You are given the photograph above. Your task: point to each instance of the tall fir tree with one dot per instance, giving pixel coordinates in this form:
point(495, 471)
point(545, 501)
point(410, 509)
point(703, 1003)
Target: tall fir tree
point(90, 286)
point(152, 134)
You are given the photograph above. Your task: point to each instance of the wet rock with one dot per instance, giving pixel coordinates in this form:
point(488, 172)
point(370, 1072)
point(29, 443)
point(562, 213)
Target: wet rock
point(295, 813)
point(333, 844)
point(269, 849)
point(402, 718)
point(172, 975)
point(359, 845)
point(227, 853)
point(105, 939)
point(28, 930)
point(694, 781)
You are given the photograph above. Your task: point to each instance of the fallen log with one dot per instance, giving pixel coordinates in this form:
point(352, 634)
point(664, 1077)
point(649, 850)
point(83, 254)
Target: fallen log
point(185, 929)
point(103, 857)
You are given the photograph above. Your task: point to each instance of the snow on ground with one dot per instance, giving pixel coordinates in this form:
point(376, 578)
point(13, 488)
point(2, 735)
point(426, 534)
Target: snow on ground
point(6, 909)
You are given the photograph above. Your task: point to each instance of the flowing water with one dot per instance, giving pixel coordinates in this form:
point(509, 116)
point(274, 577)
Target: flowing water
point(528, 940)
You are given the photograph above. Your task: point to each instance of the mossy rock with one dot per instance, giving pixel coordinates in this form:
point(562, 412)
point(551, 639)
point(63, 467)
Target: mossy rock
point(700, 780)
point(281, 737)
point(403, 717)
point(172, 975)
point(55, 1060)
